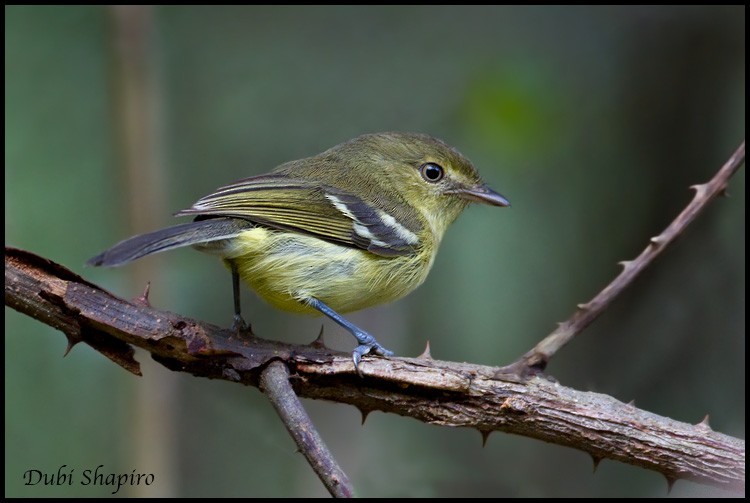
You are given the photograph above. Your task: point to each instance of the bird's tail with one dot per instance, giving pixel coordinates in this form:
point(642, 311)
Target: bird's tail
point(201, 231)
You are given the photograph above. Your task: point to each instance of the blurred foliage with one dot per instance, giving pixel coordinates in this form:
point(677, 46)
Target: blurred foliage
point(593, 121)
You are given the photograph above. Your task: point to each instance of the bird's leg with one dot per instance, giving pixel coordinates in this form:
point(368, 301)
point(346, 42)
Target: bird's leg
point(367, 343)
point(238, 324)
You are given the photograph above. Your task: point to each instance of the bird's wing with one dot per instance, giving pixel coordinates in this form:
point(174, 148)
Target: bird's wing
point(335, 215)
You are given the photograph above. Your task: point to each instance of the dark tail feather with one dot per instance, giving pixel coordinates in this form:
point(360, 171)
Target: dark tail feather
point(202, 231)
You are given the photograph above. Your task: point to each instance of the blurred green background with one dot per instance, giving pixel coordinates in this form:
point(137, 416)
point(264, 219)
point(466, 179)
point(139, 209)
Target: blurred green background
point(593, 121)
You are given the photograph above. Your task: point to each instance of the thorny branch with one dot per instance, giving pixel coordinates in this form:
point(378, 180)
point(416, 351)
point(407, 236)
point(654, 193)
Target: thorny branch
point(538, 357)
point(433, 391)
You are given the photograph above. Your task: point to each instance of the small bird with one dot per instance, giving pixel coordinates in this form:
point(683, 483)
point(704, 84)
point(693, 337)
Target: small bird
point(355, 226)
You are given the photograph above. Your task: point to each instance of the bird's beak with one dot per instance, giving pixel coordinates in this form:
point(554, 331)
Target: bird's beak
point(481, 194)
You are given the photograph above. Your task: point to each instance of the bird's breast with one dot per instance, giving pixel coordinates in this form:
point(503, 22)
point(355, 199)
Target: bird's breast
point(285, 268)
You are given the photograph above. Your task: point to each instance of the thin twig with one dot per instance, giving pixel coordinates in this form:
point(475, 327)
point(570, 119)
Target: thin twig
point(274, 381)
point(536, 360)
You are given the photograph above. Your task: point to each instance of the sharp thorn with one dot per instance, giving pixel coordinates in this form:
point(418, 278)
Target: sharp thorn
point(704, 424)
point(596, 460)
point(72, 341)
point(670, 483)
point(700, 189)
point(143, 298)
point(632, 402)
point(364, 413)
point(426, 353)
point(485, 435)
point(319, 342)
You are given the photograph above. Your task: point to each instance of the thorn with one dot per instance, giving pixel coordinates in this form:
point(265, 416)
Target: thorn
point(704, 424)
point(624, 263)
point(724, 193)
point(596, 460)
point(700, 189)
point(632, 402)
point(485, 435)
point(657, 240)
point(670, 483)
point(582, 307)
point(364, 413)
point(319, 342)
point(143, 298)
point(563, 325)
point(72, 341)
point(69, 347)
point(426, 353)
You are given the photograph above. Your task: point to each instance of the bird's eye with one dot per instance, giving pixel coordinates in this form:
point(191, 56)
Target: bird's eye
point(431, 172)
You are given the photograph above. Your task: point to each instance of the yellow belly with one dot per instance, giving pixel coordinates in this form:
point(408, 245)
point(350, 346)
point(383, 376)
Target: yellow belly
point(286, 268)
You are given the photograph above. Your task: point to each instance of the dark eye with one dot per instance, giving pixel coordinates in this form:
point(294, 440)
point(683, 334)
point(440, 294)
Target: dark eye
point(431, 172)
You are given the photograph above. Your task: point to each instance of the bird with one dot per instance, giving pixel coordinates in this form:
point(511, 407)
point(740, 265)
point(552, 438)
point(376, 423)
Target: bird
point(355, 226)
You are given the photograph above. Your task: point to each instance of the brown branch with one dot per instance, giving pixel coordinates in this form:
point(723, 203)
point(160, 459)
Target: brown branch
point(538, 357)
point(274, 381)
point(432, 391)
